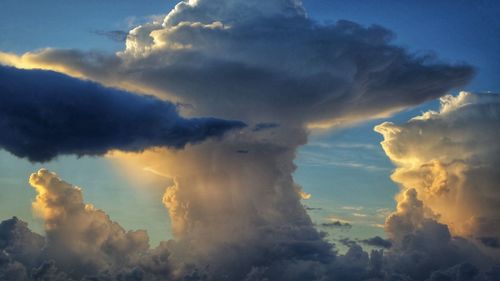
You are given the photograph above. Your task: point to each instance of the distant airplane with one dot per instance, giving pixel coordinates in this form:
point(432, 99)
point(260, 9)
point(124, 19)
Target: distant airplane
point(242, 151)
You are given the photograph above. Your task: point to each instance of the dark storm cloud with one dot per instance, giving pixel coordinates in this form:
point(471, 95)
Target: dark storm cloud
point(19, 242)
point(265, 126)
point(336, 224)
point(44, 114)
point(492, 242)
point(377, 241)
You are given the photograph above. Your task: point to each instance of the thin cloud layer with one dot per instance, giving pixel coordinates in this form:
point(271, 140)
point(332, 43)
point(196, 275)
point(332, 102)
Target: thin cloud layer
point(45, 114)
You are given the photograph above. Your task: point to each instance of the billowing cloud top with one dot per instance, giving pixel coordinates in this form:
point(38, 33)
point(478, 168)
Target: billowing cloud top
point(44, 114)
point(80, 237)
point(263, 61)
point(451, 158)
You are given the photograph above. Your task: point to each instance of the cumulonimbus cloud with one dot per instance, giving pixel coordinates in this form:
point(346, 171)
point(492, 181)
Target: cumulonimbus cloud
point(235, 209)
point(44, 114)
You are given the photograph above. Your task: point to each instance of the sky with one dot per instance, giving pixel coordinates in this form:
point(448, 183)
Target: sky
point(351, 187)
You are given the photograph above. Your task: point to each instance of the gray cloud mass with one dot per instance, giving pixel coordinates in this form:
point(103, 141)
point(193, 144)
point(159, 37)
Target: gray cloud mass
point(45, 114)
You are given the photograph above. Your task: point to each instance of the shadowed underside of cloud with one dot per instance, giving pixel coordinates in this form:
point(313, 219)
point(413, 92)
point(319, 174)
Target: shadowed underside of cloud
point(44, 114)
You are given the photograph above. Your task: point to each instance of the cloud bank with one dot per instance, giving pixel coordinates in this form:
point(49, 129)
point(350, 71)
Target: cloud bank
point(45, 114)
point(81, 242)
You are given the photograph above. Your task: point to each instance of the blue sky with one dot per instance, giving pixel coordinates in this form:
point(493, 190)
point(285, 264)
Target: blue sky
point(346, 171)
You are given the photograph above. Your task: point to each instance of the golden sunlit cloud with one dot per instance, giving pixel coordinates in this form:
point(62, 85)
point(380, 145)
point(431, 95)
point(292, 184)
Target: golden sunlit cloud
point(449, 158)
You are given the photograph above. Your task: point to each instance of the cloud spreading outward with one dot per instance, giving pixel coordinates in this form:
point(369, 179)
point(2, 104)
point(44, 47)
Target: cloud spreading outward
point(236, 211)
point(45, 114)
point(266, 62)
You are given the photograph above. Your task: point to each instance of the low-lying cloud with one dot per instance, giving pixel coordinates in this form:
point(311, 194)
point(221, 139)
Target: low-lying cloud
point(81, 242)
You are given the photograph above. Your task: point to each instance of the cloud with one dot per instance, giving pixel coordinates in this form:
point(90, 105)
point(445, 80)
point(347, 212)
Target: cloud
point(45, 114)
point(492, 242)
point(271, 63)
point(336, 224)
point(264, 126)
point(352, 208)
point(421, 246)
point(19, 243)
point(377, 241)
point(79, 236)
point(239, 216)
point(254, 212)
point(82, 243)
point(463, 271)
point(451, 158)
